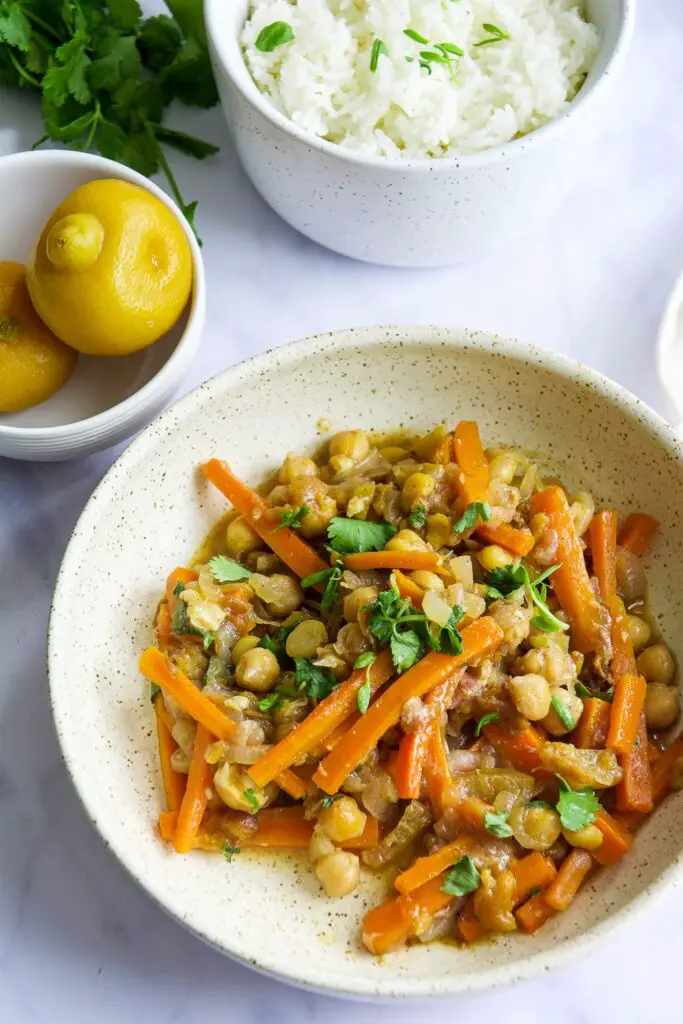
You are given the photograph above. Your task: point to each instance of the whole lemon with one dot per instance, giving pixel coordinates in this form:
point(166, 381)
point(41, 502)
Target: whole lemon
point(112, 270)
point(33, 363)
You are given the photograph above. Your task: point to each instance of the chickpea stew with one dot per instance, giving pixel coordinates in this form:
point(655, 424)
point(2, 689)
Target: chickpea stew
point(416, 655)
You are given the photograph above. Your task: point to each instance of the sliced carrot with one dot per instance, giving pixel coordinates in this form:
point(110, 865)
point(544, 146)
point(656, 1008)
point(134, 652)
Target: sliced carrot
point(468, 925)
point(332, 739)
point(366, 560)
point(637, 532)
point(603, 535)
point(653, 753)
point(629, 698)
point(179, 575)
point(468, 452)
point(159, 670)
point(591, 732)
point(662, 768)
point(195, 798)
point(623, 658)
point(167, 824)
point(408, 765)
point(282, 826)
point(532, 872)
point(389, 925)
point(616, 840)
point(174, 782)
point(478, 639)
point(162, 628)
point(634, 791)
point(533, 914)
point(573, 870)
point(408, 588)
point(293, 784)
point(368, 839)
point(437, 771)
point(424, 869)
point(285, 542)
point(519, 542)
point(473, 812)
point(571, 583)
point(329, 714)
point(521, 749)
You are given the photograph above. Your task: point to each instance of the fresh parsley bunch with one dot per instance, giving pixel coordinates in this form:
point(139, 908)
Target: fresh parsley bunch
point(105, 76)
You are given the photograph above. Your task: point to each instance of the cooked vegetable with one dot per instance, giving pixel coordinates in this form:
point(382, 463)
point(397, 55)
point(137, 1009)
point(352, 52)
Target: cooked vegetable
point(519, 542)
point(392, 560)
point(174, 782)
point(603, 532)
point(533, 914)
point(591, 732)
point(414, 821)
point(627, 707)
point(195, 798)
point(637, 532)
point(158, 669)
point(532, 873)
point(468, 452)
point(424, 869)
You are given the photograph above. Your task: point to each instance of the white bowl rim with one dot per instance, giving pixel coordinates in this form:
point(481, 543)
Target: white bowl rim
point(116, 414)
point(366, 337)
point(469, 161)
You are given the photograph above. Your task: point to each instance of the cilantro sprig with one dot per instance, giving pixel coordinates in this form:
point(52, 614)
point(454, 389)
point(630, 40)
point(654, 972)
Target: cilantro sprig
point(348, 536)
point(293, 518)
point(225, 570)
point(462, 878)
point(417, 516)
point(364, 695)
point(576, 807)
point(229, 851)
point(510, 579)
point(315, 681)
point(496, 822)
point(408, 633)
point(490, 716)
point(181, 624)
point(475, 511)
point(331, 578)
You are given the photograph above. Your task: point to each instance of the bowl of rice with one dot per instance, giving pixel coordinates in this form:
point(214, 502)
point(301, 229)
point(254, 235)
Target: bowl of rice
point(415, 132)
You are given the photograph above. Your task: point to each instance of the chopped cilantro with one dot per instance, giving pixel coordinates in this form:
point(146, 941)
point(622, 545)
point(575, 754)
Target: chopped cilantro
point(462, 878)
point(293, 518)
point(407, 632)
point(274, 35)
point(562, 712)
point(225, 570)
point(475, 511)
point(490, 716)
point(229, 851)
point(510, 579)
point(576, 807)
point(347, 536)
point(314, 680)
point(251, 798)
point(331, 578)
point(417, 516)
point(497, 824)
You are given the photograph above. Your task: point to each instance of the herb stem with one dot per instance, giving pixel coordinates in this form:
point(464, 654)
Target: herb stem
point(47, 29)
point(21, 70)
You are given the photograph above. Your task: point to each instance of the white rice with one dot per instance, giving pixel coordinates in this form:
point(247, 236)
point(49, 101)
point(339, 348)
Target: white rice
point(322, 79)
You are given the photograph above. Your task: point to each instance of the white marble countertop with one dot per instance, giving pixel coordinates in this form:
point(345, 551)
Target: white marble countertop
point(78, 940)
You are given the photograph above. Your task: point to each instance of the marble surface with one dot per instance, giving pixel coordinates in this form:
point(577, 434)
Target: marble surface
point(78, 940)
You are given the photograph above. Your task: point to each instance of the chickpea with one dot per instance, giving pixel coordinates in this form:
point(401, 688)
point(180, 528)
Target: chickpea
point(503, 467)
point(438, 530)
point(639, 630)
point(180, 762)
point(342, 820)
point(183, 732)
point(494, 557)
point(427, 580)
point(341, 464)
point(235, 787)
point(278, 496)
point(240, 537)
point(417, 487)
point(662, 705)
point(295, 466)
point(244, 644)
point(353, 444)
point(309, 491)
point(494, 901)
point(320, 845)
point(407, 540)
point(257, 670)
point(392, 453)
point(530, 694)
point(535, 828)
point(573, 706)
point(656, 664)
point(676, 776)
point(357, 600)
point(306, 638)
point(587, 838)
point(284, 594)
point(338, 873)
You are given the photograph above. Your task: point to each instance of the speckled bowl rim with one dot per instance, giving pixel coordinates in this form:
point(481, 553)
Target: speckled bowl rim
point(469, 161)
point(162, 379)
point(571, 371)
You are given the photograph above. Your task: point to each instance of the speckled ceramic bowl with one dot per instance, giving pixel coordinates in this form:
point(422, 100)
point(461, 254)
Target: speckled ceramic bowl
point(411, 213)
point(153, 509)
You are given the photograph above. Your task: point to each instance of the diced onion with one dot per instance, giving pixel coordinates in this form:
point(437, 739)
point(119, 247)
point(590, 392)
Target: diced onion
point(461, 568)
point(630, 574)
point(436, 608)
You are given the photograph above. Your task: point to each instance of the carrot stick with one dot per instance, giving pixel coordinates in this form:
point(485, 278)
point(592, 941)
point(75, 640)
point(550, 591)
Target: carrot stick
point(468, 452)
point(473, 811)
point(519, 542)
point(368, 839)
point(408, 588)
point(179, 575)
point(174, 782)
point(437, 771)
point(531, 872)
point(167, 824)
point(591, 732)
point(468, 925)
point(162, 628)
point(195, 799)
point(390, 924)
point(332, 739)
point(521, 749)
point(634, 791)
point(293, 784)
point(329, 714)
point(408, 765)
point(637, 532)
point(623, 658)
point(661, 769)
point(616, 840)
point(365, 560)
point(285, 542)
point(603, 535)
point(564, 888)
point(282, 826)
point(571, 583)
point(424, 869)
point(653, 753)
point(629, 698)
point(533, 914)
point(159, 670)
point(479, 638)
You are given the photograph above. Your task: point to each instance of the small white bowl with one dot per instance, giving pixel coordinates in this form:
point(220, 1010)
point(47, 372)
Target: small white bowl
point(411, 212)
point(106, 400)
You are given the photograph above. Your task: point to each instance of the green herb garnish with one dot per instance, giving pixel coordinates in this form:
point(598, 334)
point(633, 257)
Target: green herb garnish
point(540, 803)
point(462, 878)
point(272, 36)
point(468, 520)
point(576, 807)
point(251, 798)
point(490, 716)
point(348, 536)
point(378, 47)
point(230, 851)
point(294, 518)
point(563, 713)
point(331, 578)
point(415, 36)
point(225, 570)
point(407, 632)
point(496, 35)
point(327, 801)
point(314, 680)
point(181, 624)
point(534, 892)
point(364, 695)
point(510, 579)
point(417, 516)
point(153, 691)
point(497, 824)
point(585, 694)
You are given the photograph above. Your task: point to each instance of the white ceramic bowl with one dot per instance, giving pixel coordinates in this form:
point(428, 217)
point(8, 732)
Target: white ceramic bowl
point(154, 508)
point(415, 212)
point(106, 400)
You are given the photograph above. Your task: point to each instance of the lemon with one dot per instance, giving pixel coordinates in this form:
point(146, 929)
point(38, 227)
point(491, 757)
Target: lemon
point(33, 363)
point(112, 270)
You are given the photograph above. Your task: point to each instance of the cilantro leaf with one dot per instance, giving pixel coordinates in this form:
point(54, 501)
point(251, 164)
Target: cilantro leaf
point(251, 798)
point(331, 578)
point(348, 536)
point(327, 800)
point(510, 579)
point(475, 511)
point(124, 14)
point(497, 824)
point(273, 699)
point(418, 516)
point(181, 624)
point(563, 713)
point(15, 28)
point(507, 580)
point(365, 660)
point(275, 648)
point(272, 36)
point(225, 570)
point(363, 697)
point(583, 692)
point(159, 42)
point(462, 878)
point(577, 808)
point(230, 851)
point(67, 76)
point(490, 716)
point(120, 61)
point(450, 640)
point(317, 682)
point(406, 648)
point(293, 518)
point(540, 803)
